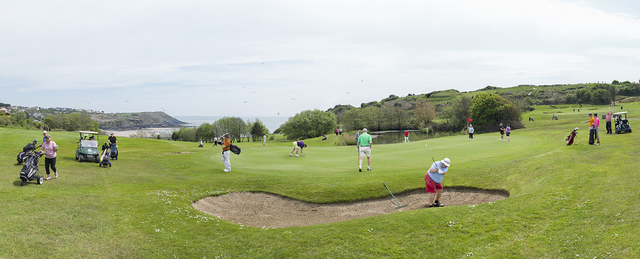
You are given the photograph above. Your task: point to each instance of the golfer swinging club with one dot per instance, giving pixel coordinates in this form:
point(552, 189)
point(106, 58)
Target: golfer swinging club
point(433, 178)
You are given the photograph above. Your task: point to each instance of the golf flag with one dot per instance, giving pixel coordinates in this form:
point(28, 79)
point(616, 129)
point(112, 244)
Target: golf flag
point(469, 120)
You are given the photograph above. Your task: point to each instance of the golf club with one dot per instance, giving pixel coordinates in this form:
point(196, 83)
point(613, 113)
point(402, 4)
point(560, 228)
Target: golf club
point(394, 197)
point(430, 152)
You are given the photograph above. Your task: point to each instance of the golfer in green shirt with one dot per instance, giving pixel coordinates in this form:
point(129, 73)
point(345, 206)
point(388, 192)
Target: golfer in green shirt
point(364, 145)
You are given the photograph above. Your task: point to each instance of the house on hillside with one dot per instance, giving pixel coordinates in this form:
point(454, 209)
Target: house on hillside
point(4, 111)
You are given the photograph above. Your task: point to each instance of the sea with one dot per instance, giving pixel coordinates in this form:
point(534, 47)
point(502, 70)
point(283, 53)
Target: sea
point(271, 122)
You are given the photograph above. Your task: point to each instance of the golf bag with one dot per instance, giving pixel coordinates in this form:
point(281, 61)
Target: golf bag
point(592, 134)
point(104, 159)
point(29, 171)
point(26, 151)
point(571, 137)
point(114, 151)
point(235, 149)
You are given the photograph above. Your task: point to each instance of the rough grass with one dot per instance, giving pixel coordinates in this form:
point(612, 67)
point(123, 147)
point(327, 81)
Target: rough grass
point(566, 201)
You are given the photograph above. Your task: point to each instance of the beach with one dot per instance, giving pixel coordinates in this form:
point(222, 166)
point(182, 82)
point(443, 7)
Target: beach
point(164, 132)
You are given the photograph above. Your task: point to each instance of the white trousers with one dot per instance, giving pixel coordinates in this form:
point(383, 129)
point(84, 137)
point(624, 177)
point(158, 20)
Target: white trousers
point(225, 160)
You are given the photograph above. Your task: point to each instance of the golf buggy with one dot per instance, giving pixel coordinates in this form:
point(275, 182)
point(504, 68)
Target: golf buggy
point(622, 124)
point(88, 147)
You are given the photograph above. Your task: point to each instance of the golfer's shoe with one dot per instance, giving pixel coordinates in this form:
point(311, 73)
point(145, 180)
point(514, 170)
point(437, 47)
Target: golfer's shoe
point(48, 178)
point(438, 204)
point(368, 168)
point(360, 169)
point(56, 175)
point(290, 155)
point(297, 155)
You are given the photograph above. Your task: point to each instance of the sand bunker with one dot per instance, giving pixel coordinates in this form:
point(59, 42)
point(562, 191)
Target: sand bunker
point(273, 211)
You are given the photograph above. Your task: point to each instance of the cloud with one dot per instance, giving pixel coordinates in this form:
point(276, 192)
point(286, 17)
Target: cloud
point(313, 51)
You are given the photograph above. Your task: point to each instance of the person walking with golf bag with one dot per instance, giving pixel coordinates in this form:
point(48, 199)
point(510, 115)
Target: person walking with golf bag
point(226, 151)
point(591, 121)
point(433, 179)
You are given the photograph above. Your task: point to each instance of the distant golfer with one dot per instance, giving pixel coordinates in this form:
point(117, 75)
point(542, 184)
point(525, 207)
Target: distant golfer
point(433, 179)
point(299, 145)
point(226, 151)
point(264, 138)
point(470, 129)
point(501, 133)
point(508, 133)
point(406, 136)
point(608, 120)
point(364, 145)
point(357, 136)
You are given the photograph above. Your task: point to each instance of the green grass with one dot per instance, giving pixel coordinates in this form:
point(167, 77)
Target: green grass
point(577, 201)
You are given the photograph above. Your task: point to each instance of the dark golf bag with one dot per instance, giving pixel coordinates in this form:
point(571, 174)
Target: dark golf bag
point(29, 171)
point(592, 134)
point(26, 151)
point(235, 149)
point(105, 159)
point(571, 137)
point(114, 151)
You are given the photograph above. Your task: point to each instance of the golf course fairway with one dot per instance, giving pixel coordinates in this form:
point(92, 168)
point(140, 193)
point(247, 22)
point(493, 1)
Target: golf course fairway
point(578, 201)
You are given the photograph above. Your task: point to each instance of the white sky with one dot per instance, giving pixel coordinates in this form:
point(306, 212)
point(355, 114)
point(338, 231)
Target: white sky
point(269, 58)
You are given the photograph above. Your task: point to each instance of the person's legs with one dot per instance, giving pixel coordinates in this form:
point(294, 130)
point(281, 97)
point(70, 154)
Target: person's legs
point(508, 137)
point(295, 145)
point(225, 161)
point(431, 188)
point(47, 163)
point(438, 193)
point(52, 163)
point(437, 203)
point(598, 134)
point(369, 163)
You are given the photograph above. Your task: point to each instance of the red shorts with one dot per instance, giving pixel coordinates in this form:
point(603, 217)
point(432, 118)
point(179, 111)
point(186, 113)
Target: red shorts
point(431, 185)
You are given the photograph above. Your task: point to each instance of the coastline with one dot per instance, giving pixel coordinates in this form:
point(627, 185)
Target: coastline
point(147, 131)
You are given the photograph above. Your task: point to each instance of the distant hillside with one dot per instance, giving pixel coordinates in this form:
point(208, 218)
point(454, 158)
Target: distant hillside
point(132, 121)
point(522, 95)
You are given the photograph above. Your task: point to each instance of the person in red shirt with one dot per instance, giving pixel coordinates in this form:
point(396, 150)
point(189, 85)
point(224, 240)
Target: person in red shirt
point(406, 136)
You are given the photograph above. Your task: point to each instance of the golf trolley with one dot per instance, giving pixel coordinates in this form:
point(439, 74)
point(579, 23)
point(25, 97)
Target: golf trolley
point(29, 171)
point(26, 151)
point(622, 124)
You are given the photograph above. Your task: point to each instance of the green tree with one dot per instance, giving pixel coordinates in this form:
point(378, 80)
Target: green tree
point(601, 96)
point(258, 130)
point(584, 96)
point(612, 93)
point(457, 113)
point(207, 136)
point(394, 118)
point(488, 110)
point(353, 119)
point(423, 114)
point(309, 124)
point(19, 119)
point(236, 127)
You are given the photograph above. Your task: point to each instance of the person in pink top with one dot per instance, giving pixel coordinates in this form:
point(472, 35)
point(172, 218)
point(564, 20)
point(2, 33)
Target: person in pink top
point(596, 126)
point(50, 148)
point(607, 118)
